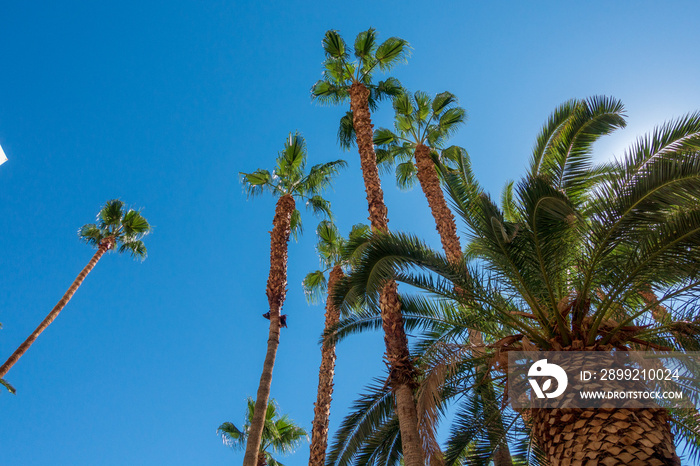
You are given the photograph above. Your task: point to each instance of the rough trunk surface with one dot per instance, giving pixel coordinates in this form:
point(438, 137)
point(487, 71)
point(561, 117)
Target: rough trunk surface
point(444, 220)
point(606, 437)
point(276, 292)
point(364, 134)
point(322, 408)
point(402, 374)
point(105, 246)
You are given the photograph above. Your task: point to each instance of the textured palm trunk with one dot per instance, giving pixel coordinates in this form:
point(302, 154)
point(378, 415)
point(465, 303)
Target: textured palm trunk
point(609, 437)
point(447, 229)
point(105, 246)
point(322, 408)
point(604, 436)
point(402, 374)
point(444, 220)
point(276, 292)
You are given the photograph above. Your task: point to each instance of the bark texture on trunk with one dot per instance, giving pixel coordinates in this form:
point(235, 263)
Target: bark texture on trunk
point(364, 134)
point(444, 220)
point(105, 246)
point(607, 437)
point(322, 408)
point(276, 292)
point(402, 374)
point(604, 436)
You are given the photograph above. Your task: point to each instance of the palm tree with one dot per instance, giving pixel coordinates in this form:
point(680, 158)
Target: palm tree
point(116, 229)
point(287, 181)
point(562, 265)
point(7, 384)
point(343, 79)
point(330, 248)
point(280, 434)
point(421, 127)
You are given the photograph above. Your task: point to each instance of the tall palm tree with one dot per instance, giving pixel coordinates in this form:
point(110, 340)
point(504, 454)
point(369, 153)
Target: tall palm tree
point(562, 265)
point(343, 79)
point(287, 181)
point(117, 229)
point(421, 128)
point(280, 434)
point(330, 249)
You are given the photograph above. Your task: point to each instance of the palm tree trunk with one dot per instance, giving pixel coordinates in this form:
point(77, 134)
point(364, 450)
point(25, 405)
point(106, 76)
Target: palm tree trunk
point(105, 246)
point(322, 408)
point(444, 220)
point(402, 374)
point(607, 437)
point(447, 229)
point(276, 292)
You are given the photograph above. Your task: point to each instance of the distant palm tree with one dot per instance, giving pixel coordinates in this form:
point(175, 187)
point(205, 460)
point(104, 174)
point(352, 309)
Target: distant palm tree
point(287, 181)
point(116, 229)
point(564, 265)
point(345, 78)
point(280, 434)
point(330, 249)
point(7, 384)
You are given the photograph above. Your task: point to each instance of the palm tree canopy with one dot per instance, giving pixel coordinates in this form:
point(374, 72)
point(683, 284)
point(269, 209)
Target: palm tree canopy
point(566, 261)
point(280, 434)
point(418, 119)
point(289, 177)
point(124, 228)
point(332, 250)
point(341, 71)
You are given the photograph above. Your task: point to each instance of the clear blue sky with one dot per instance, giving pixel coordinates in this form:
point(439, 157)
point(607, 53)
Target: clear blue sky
point(161, 104)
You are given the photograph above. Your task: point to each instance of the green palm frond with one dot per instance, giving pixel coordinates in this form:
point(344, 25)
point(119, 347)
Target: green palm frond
point(346, 132)
point(8, 386)
point(280, 435)
point(123, 227)
point(340, 72)
point(367, 416)
point(314, 285)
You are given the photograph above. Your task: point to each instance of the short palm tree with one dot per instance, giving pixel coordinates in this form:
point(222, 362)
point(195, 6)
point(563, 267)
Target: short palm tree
point(330, 247)
point(346, 78)
point(287, 181)
point(280, 434)
point(563, 265)
point(117, 229)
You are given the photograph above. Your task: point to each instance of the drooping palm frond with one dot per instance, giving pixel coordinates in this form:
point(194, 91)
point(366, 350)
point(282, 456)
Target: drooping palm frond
point(367, 416)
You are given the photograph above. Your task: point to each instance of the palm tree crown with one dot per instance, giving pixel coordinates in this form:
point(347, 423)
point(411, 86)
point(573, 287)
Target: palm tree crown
point(419, 121)
point(333, 251)
point(118, 227)
point(289, 178)
point(280, 434)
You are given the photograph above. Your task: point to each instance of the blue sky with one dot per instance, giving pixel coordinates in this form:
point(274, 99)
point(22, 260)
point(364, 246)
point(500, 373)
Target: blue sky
point(161, 104)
